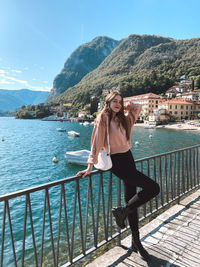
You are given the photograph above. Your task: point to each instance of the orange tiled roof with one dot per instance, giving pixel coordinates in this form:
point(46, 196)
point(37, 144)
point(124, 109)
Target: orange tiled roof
point(143, 96)
point(178, 101)
point(190, 93)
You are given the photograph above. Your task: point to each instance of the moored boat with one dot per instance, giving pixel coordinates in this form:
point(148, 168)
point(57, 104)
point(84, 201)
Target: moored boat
point(149, 127)
point(73, 133)
point(79, 157)
point(86, 123)
point(61, 130)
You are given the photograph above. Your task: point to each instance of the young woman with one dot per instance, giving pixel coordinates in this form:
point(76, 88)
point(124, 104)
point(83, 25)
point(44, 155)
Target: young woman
point(120, 124)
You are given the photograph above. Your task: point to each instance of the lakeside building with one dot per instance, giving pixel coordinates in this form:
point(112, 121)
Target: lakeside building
point(182, 108)
point(159, 116)
point(61, 110)
point(157, 109)
point(176, 90)
point(197, 91)
point(82, 114)
point(190, 95)
point(149, 102)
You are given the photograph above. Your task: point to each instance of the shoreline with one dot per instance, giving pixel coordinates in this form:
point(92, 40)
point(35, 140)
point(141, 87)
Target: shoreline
point(189, 125)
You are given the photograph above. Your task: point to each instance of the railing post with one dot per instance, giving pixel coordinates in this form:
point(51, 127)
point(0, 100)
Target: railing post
point(119, 204)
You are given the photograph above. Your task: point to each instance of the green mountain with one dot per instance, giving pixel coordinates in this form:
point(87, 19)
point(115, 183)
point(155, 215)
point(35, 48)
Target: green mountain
point(140, 64)
point(83, 60)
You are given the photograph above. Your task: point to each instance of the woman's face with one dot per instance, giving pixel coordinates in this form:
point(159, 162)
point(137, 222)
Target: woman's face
point(116, 103)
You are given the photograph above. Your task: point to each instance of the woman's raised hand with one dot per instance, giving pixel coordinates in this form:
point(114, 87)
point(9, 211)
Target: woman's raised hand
point(132, 106)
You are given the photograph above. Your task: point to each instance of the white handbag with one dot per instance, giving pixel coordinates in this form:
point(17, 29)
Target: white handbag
point(104, 160)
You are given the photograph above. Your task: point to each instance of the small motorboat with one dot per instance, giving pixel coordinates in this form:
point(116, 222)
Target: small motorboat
point(61, 130)
point(149, 127)
point(86, 123)
point(73, 133)
point(79, 157)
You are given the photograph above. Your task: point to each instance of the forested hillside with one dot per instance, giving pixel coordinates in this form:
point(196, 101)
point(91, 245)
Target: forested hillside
point(140, 64)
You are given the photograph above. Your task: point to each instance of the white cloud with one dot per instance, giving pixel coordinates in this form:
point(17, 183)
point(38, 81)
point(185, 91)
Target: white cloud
point(39, 88)
point(16, 80)
point(4, 81)
point(2, 72)
point(17, 71)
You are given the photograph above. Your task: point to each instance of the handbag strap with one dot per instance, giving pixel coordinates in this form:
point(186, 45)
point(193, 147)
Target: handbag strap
point(108, 136)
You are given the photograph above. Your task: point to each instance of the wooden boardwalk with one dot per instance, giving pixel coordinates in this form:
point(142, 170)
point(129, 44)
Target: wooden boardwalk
point(172, 240)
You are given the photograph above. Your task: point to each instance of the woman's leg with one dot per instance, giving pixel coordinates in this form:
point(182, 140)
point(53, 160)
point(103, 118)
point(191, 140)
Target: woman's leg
point(129, 192)
point(124, 167)
point(149, 189)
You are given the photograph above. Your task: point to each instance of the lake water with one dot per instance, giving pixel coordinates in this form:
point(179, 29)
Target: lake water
point(29, 146)
point(26, 161)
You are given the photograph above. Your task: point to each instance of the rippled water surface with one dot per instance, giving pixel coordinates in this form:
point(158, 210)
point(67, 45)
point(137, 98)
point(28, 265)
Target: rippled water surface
point(26, 160)
point(29, 146)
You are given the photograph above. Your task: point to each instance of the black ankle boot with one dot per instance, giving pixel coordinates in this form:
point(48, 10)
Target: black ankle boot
point(137, 246)
point(120, 214)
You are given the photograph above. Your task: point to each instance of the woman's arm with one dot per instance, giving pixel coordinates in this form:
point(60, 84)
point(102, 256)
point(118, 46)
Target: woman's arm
point(97, 142)
point(98, 139)
point(133, 111)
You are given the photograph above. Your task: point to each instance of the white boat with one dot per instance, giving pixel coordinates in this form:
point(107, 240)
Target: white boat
point(61, 130)
point(86, 123)
point(149, 127)
point(78, 157)
point(73, 133)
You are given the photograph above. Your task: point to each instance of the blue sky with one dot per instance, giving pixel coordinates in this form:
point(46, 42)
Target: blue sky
point(37, 36)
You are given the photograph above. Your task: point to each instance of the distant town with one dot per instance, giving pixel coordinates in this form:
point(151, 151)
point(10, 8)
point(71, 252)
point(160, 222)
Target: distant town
point(180, 102)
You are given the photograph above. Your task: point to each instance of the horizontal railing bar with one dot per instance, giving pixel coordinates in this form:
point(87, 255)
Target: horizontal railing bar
point(41, 187)
point(167, 153)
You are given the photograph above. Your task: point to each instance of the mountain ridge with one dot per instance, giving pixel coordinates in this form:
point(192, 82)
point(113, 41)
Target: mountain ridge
point(13, 99)
point(139, 64)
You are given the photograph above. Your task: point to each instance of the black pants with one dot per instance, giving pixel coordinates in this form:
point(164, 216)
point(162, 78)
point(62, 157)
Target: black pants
point(124, 168)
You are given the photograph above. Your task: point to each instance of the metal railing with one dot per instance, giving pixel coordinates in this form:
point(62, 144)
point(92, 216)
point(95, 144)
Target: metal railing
point(59, 223)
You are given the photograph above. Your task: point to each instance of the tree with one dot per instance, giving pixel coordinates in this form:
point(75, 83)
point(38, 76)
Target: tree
point(94, 104)
point(197, 82)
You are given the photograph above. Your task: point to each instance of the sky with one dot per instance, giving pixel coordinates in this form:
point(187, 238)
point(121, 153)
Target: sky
point(37, 36)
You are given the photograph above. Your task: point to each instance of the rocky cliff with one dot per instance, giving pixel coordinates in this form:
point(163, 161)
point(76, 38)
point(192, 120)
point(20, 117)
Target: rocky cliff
point(83, 60)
